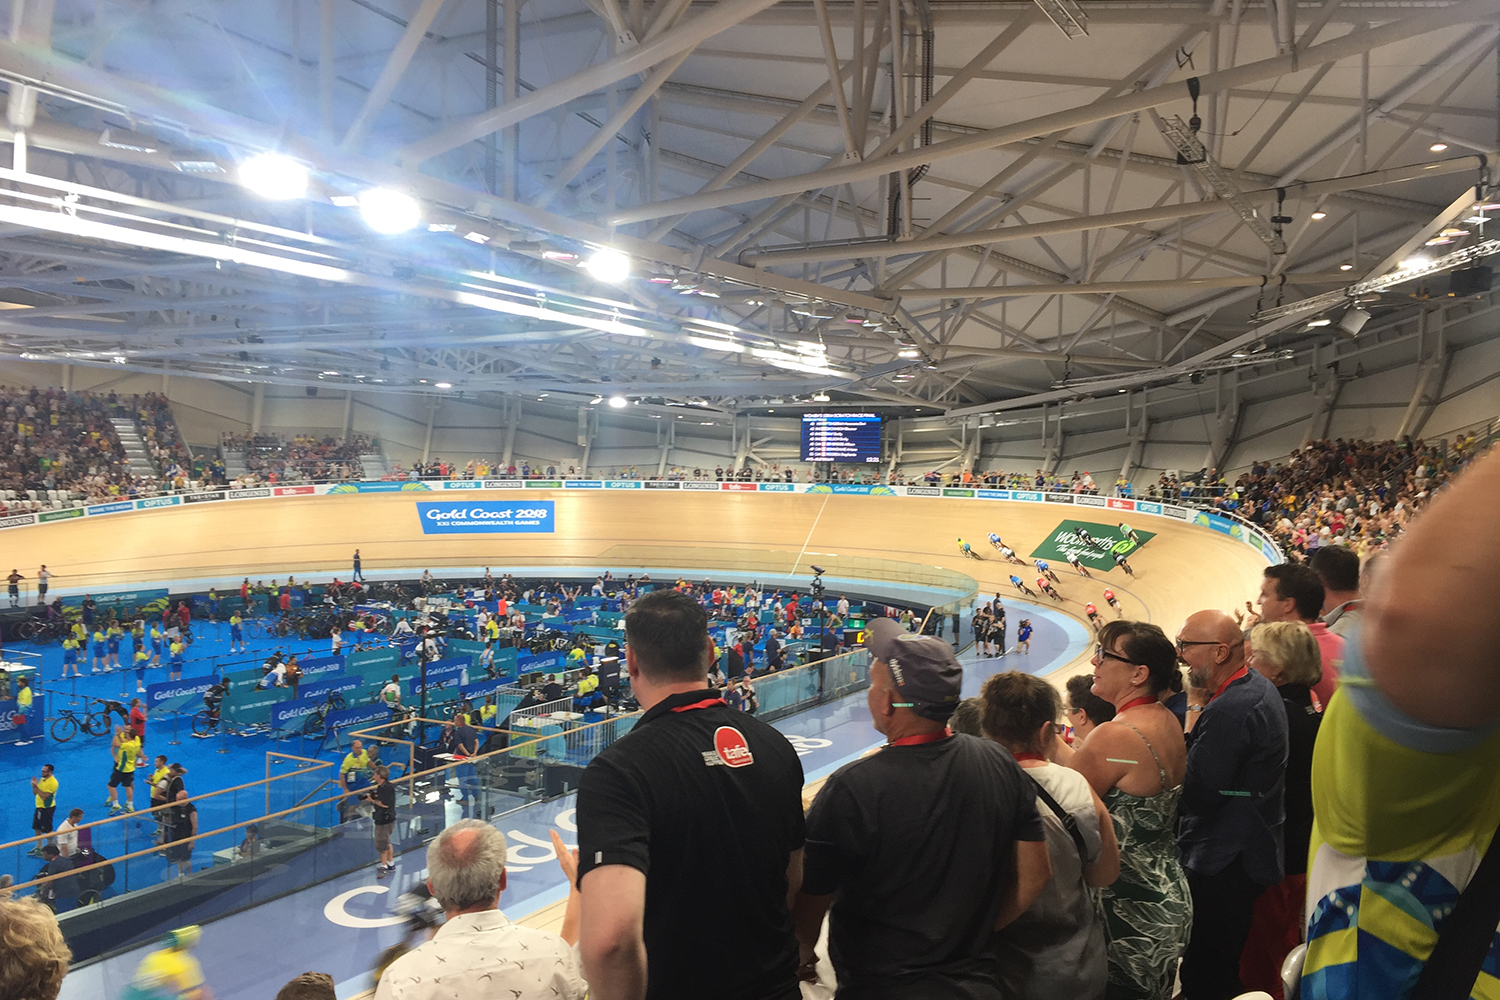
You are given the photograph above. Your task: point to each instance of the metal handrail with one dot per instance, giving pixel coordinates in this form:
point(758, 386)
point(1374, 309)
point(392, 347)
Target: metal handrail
point(410, 779)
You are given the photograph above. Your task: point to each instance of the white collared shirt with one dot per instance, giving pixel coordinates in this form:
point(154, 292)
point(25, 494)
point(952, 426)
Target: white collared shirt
point(485, 955)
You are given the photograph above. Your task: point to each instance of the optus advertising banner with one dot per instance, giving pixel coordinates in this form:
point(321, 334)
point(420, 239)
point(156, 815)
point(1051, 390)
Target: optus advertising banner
point(487, 517)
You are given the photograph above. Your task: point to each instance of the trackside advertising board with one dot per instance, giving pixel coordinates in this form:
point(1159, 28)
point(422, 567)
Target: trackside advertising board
point(1064, 540)
point(486, 517)
point(473, 513)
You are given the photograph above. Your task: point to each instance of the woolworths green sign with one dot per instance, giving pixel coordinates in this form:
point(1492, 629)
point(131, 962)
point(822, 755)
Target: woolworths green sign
point(1064, 539)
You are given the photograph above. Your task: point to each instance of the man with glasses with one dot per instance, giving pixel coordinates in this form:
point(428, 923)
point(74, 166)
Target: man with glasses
point(1232, 809)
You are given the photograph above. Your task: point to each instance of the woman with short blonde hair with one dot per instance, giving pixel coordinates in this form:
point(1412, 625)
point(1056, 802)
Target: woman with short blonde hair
point(1286, 653)
point(33, 955)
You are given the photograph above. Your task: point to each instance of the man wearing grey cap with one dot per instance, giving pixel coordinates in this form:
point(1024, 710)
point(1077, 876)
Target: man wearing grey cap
point(922, 849)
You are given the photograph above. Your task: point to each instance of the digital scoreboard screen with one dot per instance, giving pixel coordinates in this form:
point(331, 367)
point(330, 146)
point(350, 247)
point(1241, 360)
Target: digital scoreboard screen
point(841, 437)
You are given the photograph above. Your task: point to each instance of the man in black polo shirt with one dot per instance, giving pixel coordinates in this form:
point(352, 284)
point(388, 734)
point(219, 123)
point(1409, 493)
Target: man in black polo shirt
point(689, 832)
point(923, 849)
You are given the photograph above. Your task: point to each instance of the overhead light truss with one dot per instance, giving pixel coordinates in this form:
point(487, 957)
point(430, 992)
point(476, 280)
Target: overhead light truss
point(1192, 152)
point(1173, 375)
point(1067, 15)
point(1407, 272)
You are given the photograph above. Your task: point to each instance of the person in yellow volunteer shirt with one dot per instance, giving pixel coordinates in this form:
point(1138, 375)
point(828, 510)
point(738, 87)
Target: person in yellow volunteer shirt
point(113, 636)
point(101, 650)
point(70, 655)
point(171, 973)
point(126, 749)
point(175, 670)
point(237, 633)
point(44, 788)
point(588, 686)
point(355, 771)
point(142, 661)
point(156, 642)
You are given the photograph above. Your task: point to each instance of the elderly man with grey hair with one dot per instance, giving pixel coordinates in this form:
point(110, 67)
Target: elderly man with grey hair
point(477, 952)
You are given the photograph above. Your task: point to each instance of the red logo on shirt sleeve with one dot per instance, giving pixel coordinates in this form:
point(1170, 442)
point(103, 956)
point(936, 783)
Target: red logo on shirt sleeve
point(731, 748)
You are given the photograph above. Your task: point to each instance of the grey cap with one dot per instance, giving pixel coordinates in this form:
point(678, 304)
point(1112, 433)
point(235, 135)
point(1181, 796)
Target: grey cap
point(926, 673)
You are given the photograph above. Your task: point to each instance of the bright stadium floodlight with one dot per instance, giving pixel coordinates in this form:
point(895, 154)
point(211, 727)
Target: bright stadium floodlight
point(618, 402)
point(274, 177)
point(607, 265)
point(388, 211)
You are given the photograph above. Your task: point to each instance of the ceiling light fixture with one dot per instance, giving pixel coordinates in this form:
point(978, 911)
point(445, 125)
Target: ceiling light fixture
point(274, 176)
point(1318, 215)
point(820, 397)
point(608, 265)
point(909, 352)
point(596, 400)
point(1321, 321)
point(443, 385)
point(1346, 267)
point(618, 402)
point(388, 211)
point(1438, 146)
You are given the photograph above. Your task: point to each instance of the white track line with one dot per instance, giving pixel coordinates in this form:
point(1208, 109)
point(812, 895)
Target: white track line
point(808, 541)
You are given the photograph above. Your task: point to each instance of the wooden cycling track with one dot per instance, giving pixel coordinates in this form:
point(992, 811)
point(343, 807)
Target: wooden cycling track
point(1183, 569)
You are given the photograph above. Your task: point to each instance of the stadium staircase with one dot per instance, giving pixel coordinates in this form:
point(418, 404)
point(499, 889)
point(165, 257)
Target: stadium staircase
point(135, 448)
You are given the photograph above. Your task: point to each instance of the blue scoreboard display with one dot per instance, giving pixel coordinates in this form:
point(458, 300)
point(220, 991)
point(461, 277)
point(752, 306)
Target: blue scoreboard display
point(841, 437)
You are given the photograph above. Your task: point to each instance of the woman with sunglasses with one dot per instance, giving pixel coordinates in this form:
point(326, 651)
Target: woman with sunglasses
point(1136, 763)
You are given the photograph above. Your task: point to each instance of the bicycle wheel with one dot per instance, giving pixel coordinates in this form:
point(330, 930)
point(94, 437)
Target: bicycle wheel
point(203, 723)
point(336, 701)
point(313, 724)
point(26, 629)
point(64, 728)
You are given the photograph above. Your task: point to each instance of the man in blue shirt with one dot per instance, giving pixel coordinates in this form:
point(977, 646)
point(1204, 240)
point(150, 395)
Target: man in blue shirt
point(1232, 807)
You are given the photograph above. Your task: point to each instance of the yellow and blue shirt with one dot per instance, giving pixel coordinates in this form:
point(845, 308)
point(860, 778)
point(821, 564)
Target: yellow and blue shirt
point(1403, 813)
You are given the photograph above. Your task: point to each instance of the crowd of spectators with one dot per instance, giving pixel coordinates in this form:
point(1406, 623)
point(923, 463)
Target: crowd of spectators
point(59, 447)
point(1359, 494)
point(1213, 799)
point(154, 422)
point(484, 468)
point(305, 458)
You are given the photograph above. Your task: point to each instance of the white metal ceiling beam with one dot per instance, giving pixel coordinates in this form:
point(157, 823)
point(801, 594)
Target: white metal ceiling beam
point(1085, 223)
point(725, 14)
point(1354, 43)
point(1112, 287)
point(1457, 53)
point(390, 76)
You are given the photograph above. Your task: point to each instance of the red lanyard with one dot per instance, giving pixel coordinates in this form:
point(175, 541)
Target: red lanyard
point(1132, 703)
point(705, 703)
point(1027, 755)
point(920, 738)
point(1230, 680)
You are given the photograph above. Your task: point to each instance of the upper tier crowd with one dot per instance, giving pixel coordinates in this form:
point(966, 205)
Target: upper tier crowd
point(62, 446)
point(1359, 494)
point(304, 458)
